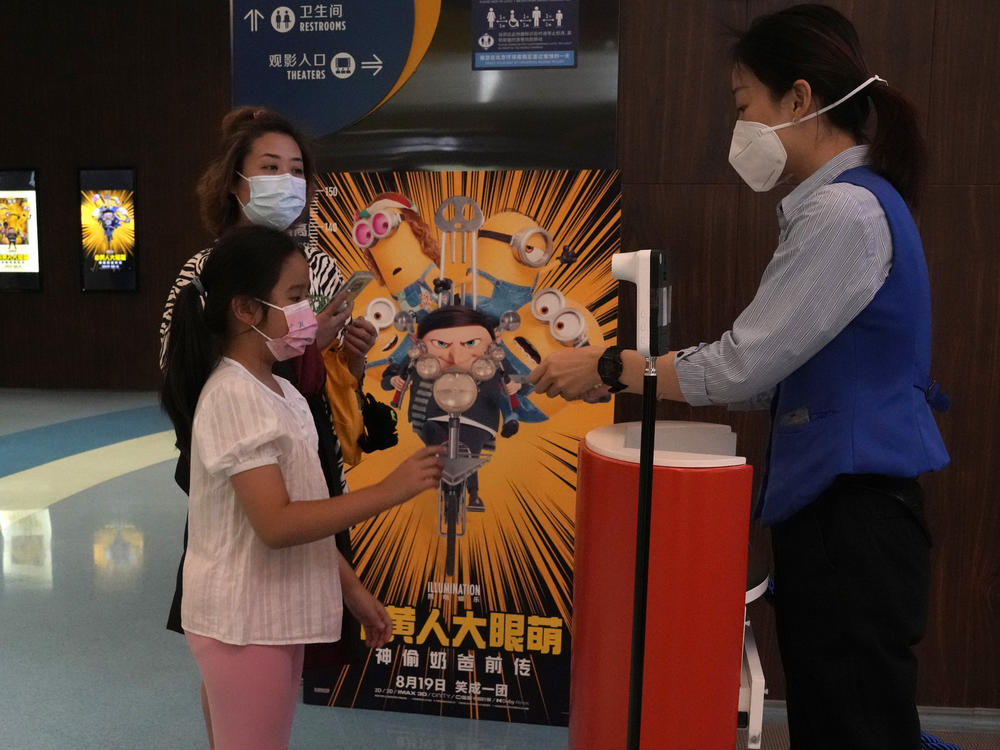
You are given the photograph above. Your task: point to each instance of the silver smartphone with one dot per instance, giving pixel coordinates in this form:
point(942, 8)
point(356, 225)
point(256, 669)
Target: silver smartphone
point(354, 285)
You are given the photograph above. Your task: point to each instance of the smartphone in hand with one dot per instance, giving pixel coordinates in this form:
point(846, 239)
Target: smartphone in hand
point(354, 285)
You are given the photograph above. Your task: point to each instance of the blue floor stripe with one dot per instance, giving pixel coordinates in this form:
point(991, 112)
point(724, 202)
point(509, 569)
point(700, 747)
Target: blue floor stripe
point(23, 450)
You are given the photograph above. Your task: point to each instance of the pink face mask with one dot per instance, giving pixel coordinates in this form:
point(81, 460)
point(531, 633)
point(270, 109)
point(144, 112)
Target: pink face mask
point(301, 334)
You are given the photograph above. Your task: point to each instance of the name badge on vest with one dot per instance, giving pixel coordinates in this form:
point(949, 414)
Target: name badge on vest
point(794, 417)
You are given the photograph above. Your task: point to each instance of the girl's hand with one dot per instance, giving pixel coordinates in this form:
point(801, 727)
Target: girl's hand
point(370, 612)
point(419, 472)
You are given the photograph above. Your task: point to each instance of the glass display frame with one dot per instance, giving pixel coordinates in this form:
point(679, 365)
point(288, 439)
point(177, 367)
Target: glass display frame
point(20, 253)
point(108, 241)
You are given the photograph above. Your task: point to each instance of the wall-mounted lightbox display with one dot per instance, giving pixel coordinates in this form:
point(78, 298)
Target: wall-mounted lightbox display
point(19, 231)
point(108, 224)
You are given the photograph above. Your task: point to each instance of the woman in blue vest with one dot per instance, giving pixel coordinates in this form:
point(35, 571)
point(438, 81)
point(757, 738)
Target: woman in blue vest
point(836, 342)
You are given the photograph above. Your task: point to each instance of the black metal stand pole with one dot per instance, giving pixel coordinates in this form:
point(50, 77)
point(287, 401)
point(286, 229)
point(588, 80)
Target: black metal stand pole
point(646, 446)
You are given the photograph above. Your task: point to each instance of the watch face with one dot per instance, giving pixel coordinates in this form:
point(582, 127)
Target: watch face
point(609, 367)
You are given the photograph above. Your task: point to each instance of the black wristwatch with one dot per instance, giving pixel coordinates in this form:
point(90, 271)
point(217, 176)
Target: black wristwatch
point(609, 367)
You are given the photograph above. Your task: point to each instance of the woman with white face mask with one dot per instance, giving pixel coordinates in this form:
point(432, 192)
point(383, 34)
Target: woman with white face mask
point(265, 175)
point(837, 343)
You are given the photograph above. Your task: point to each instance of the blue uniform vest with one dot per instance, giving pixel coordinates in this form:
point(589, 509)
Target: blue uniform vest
point(860, 405)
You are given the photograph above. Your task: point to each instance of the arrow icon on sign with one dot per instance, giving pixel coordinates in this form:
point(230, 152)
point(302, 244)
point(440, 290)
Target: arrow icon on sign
point(374, 64)
point(254, 16)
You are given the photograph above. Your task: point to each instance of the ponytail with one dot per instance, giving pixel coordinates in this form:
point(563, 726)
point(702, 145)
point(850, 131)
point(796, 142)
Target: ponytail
point(193, 351)
point(898, 151)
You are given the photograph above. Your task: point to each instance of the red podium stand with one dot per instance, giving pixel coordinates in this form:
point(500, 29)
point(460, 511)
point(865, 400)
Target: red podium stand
point(697, 585)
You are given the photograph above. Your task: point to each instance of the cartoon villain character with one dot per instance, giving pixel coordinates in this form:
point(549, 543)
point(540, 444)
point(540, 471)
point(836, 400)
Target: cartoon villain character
point(110, 214)
point(457, 336)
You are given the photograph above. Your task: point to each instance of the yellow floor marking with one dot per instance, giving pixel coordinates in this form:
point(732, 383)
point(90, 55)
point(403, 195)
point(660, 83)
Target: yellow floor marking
point(41, 486)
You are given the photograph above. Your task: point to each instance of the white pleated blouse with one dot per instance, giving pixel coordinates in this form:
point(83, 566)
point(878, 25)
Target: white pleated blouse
point(236, 589)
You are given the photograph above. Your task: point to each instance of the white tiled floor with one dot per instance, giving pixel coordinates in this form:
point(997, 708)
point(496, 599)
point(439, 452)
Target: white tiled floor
point(85, 660)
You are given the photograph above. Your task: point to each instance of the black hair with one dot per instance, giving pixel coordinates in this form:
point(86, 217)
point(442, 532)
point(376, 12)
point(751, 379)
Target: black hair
point(454, 316)
point(246, 261)
point(818, 44)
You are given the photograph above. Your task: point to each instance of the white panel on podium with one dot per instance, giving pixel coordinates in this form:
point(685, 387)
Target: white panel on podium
point(678, 444)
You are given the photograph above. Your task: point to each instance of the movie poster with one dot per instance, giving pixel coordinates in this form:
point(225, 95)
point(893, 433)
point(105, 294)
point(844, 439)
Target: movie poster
point(479, 275)
point(19, 254)
point(107, 226)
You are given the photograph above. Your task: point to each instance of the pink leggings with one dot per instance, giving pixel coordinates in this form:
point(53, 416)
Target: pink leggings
point(252, 691)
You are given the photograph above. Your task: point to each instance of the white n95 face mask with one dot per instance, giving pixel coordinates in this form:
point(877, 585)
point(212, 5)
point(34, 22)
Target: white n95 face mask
point(758, 155)
point(276, 200)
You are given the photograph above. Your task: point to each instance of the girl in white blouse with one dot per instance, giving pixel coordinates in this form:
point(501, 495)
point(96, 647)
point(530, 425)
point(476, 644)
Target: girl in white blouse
point(262, 576)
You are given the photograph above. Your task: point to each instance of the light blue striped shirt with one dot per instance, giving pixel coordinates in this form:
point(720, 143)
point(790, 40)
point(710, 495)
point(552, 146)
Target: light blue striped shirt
point(834, 253)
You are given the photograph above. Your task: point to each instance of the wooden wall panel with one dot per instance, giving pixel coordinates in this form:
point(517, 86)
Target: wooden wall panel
point(961, 655)
point(964, 134)
point(145, 87)
point(673, 91)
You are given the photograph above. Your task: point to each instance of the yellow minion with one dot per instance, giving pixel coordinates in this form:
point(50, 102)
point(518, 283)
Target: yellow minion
point(511, 250)
point(400, 250)
point(548, 323)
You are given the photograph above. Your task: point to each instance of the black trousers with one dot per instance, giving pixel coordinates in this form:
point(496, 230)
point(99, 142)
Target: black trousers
point(851, 579)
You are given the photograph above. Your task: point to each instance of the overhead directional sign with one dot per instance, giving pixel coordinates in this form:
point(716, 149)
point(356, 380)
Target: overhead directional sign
point(322, 65)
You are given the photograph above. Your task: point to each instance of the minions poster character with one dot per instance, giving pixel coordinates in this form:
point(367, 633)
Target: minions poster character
point(15, 212)
point(108, 229)
point(18, 232)
point(107, 218)
point(479, 275)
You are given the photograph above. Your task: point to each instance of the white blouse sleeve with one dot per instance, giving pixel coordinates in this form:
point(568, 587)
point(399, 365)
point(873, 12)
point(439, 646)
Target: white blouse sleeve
point(236, 428)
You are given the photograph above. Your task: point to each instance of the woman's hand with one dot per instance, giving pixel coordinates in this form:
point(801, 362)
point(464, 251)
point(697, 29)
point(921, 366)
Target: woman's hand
point(359, 336)
point(368, 610)
point(570, 373)
point(332, 319)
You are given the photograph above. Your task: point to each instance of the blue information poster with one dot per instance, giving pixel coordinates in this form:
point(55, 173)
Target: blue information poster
point(525, 33)
point(324, 65)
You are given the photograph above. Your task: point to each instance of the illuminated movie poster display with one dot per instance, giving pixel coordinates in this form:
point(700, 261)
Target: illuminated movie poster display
point(19, 268)
point(107, 226)
point(478, 276)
